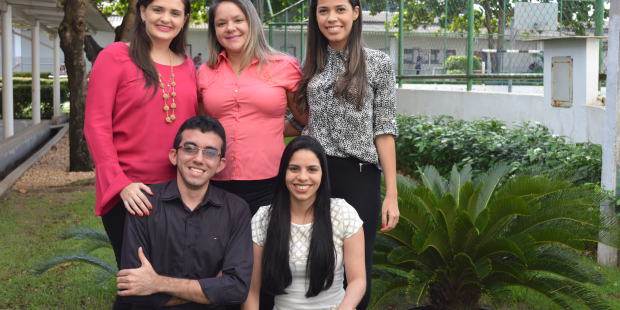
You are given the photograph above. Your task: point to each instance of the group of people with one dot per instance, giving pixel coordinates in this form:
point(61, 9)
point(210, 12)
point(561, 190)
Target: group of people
point(204, 205)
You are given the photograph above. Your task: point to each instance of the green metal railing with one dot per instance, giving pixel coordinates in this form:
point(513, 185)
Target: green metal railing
point(421, 51)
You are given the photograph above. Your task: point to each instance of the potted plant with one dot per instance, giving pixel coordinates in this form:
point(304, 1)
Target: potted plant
point(462, 238)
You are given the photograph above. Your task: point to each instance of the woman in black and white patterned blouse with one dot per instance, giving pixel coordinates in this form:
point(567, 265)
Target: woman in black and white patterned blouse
point(349, 92)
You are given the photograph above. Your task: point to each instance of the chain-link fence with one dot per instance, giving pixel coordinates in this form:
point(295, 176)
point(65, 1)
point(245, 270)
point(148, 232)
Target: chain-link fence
point(436, 39)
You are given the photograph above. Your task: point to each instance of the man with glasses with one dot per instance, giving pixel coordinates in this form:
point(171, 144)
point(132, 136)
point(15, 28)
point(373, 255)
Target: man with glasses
point(194, 250)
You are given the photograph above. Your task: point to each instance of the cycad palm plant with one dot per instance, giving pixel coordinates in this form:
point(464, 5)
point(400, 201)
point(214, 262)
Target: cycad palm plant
point(94, 239)
point(460, 238)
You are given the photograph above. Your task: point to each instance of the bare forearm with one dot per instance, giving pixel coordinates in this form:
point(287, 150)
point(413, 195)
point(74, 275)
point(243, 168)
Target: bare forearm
point(386, 150)
point(353, 294)
point(189, 290)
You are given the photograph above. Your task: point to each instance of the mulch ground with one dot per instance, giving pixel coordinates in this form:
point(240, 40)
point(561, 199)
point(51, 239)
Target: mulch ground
point(52, 171)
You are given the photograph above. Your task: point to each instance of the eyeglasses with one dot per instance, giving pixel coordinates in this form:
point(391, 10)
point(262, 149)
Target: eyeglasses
point(207, 152)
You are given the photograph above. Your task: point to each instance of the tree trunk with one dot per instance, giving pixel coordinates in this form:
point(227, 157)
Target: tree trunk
point(91, 48)
point(122, 32)
point(71, 32)
point(499, 57)
point(488, 23)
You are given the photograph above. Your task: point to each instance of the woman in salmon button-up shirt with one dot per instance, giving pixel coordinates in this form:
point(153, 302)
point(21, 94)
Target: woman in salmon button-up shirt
point(246, 85)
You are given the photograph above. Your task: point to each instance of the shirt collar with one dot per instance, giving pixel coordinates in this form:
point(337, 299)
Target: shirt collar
point(223, 55)
point(332, 52)
point(213, 197)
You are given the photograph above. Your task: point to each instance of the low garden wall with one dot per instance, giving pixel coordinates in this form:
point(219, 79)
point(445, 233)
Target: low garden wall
point(580, 122)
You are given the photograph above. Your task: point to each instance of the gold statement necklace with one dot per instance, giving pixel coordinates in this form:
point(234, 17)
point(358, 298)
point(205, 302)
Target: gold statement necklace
point(169, 93)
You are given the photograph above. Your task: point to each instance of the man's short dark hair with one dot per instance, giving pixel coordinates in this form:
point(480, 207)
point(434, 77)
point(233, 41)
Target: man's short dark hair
point(204, 124)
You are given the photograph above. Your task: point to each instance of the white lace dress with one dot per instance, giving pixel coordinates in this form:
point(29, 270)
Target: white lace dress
point(345, 223)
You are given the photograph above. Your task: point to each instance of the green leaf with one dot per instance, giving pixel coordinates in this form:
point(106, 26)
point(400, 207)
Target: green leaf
point(493, 176)
point(500, 246)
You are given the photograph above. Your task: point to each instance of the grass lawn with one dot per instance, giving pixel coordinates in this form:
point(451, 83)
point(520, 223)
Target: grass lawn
point(30, 224)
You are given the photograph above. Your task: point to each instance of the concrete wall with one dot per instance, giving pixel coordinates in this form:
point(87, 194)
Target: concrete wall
point(580, 122)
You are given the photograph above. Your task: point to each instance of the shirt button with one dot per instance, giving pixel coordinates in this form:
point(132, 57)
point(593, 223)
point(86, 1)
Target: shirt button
point(236, 90)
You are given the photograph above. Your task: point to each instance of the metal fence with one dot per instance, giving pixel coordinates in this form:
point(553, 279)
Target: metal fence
point(455, 41)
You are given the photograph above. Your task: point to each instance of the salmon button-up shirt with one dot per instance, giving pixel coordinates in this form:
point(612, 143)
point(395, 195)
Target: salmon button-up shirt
point(251, 107)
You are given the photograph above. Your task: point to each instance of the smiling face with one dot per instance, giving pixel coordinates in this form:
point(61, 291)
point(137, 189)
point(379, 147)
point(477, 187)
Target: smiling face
point(231, 27)
point(335, 20)
point(303, 177)
point(163, 19)
point(194, 169)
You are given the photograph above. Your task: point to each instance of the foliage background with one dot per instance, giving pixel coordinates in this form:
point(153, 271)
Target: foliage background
point(529, 148)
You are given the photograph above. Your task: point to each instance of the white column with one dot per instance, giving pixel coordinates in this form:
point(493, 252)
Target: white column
point(611, 135)
point(36, 72)
point(56, 73)
point(7, 72)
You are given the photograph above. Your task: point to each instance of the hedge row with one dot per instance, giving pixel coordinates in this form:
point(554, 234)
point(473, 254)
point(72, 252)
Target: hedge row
point(22, 97)
point(43, 75)
point(529, 148)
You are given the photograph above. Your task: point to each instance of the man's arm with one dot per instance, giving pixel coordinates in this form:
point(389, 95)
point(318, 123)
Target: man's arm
point(135, 237)
point(231, 287)
point(145, 281)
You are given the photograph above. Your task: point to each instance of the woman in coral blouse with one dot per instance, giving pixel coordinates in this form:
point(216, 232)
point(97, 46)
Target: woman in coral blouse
point(246, 86)
point(138, 96)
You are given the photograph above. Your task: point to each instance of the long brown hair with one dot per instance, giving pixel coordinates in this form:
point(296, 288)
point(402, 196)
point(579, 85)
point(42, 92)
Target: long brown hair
point(140, 45)
point(352, 84)
point(255, 46)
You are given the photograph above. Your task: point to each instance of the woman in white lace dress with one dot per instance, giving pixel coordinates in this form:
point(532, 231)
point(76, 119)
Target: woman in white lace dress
point(304, 241)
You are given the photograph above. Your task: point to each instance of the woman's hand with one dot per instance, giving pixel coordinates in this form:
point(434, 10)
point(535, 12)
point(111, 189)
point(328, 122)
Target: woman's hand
point(134, 199)
point(386, 148)
point(389, 213)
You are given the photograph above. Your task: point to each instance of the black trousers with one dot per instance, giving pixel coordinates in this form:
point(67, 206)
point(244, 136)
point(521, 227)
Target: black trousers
point(359, 184)
point(256, 193)
point(114, 223)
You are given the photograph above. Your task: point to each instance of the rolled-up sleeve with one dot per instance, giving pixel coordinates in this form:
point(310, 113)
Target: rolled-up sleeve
point(232, 287)
point(384, 104)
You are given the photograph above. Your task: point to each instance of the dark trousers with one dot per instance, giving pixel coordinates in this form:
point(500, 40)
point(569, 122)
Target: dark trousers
point(256, 193)
point(114, 223)
point(359, 184)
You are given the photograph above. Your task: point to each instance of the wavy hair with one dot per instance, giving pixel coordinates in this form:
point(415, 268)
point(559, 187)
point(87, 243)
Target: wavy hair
point(320, 268)
point(351, 85)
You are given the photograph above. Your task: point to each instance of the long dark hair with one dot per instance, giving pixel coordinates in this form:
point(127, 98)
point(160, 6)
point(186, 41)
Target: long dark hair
point(352, 84)
point(321, 256)
point(140, 45)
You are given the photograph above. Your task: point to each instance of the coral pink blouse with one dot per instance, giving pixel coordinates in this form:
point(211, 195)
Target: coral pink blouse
point(124, 124)
point(251, 108)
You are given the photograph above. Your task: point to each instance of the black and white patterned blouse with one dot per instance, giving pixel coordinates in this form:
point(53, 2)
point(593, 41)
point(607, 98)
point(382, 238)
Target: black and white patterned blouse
point(343, 130)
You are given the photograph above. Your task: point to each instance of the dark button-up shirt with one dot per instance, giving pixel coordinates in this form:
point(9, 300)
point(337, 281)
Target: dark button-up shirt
point(197, 245)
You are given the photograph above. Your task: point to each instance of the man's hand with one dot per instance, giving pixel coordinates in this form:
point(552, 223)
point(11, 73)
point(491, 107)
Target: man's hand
point(138, 281)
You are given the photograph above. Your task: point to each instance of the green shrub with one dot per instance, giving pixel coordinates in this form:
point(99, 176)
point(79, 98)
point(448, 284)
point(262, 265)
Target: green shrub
point(43, 75)
point(529, 148)
point(22, 97)
point(454, 63)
